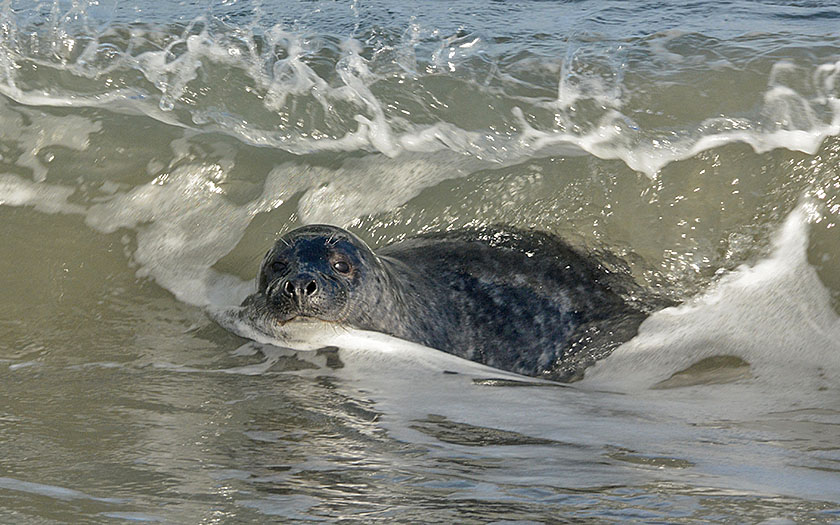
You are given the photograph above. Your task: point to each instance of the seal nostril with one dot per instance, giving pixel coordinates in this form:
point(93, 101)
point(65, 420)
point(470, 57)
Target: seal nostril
point(311, 288)
point(289, 289)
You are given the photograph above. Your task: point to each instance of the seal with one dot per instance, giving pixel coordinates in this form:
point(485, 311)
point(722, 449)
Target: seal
point(522, 301)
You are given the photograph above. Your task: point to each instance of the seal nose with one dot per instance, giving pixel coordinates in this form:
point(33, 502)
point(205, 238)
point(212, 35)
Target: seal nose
point(300, 287)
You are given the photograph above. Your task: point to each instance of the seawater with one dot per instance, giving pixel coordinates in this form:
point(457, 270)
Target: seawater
point(151, 152)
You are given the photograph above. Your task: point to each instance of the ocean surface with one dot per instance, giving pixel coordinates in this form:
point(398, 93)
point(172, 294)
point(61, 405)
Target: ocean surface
point(150, 153)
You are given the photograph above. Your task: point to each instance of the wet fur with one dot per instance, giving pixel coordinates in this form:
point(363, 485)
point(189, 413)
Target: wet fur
point(522, 301)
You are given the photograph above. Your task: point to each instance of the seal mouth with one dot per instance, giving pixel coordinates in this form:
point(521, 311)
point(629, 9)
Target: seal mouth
point(301, 318)
point(256, 320)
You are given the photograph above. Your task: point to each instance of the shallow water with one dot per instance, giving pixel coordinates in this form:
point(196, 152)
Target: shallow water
point(150, 153)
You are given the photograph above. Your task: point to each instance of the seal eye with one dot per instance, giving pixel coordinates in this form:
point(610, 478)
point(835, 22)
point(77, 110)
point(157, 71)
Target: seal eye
point(277, 267)
point(341, 267)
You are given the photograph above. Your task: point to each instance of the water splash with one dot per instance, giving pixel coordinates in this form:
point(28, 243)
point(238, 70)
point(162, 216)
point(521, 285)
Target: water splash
point(776, 316)
point(410, 89)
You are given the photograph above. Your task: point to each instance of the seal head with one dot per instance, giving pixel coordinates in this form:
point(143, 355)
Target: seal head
point(316, 272)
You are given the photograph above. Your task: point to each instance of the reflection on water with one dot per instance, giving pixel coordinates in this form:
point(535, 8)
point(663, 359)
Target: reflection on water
point(176, 445)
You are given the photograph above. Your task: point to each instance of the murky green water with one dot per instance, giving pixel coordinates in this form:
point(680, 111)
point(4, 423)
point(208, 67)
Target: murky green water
point(150, 153)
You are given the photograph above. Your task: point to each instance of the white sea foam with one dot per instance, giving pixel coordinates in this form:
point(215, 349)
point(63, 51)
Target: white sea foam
point(15, 191)
point(33, 131)
point(337, 196)
point(163, 215)
point(280, 69)
point(775, 315)
point(184, 225)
